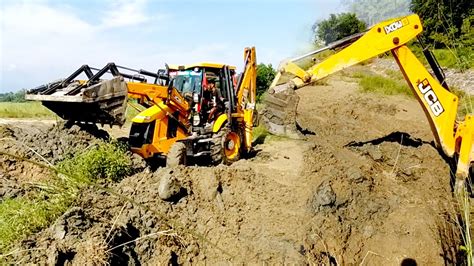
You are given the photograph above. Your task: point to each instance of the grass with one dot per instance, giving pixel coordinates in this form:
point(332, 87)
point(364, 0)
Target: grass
point(259, 133)
point(458, 59)
point(19, 217)
point(24, 110)
point(464, 223)
point(382, 85)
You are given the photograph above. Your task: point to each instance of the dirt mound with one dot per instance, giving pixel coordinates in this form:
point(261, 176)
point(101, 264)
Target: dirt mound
point(40, 143)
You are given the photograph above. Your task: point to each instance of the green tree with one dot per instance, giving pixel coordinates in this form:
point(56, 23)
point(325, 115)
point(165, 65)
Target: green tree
point(18, 96)
point(443, 19)
point(265, 76)
point(336, 27)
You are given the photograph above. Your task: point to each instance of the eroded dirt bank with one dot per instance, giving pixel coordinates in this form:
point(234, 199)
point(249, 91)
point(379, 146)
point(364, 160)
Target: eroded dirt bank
point(365, 185)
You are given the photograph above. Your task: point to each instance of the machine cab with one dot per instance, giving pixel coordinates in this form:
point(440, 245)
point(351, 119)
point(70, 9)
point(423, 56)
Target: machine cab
point(209, 87)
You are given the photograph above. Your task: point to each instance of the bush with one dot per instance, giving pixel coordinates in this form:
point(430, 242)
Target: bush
point(106, 160)
point(265, 76)
point(19, 217)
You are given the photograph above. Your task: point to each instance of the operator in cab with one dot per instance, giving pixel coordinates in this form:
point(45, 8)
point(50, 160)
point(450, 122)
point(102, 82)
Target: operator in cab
point(213, 103)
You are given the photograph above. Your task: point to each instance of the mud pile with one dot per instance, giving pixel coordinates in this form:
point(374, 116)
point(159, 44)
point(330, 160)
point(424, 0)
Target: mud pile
point(42, 144)
point(106, 227)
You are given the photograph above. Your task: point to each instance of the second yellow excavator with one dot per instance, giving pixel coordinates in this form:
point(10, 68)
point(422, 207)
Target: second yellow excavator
point(454, 138)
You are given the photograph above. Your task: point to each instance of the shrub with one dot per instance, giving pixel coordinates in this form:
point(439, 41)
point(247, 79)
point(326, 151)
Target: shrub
point(105, 160)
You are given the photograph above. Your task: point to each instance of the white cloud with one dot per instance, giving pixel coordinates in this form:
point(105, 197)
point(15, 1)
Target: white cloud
point(125, 13)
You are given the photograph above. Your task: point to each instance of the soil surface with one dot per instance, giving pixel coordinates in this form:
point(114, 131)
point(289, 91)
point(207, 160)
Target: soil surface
point(363, 185)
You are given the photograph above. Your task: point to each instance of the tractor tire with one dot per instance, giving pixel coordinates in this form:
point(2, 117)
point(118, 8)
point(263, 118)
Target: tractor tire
point(176, 155)
point(218, 148)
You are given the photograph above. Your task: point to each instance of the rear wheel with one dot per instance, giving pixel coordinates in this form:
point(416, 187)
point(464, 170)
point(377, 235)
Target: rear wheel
point(225, 147)
point(176, 155)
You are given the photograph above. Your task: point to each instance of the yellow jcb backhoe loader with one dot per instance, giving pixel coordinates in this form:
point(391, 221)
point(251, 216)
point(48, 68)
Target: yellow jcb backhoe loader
point(182, 117)
point(454, 138)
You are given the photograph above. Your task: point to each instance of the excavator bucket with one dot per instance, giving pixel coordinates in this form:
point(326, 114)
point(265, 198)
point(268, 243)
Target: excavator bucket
point(281, 100)
point(279, 112)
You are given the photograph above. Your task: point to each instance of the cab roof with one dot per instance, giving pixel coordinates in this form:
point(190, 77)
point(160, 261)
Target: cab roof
point(202, 64)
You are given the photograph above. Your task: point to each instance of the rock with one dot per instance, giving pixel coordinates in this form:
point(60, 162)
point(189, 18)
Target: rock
point(375, 154)
point(324, 197)
point(355, 175)
point(368, 231)
point(53, 256)
point(59, 231)
point(169, 187)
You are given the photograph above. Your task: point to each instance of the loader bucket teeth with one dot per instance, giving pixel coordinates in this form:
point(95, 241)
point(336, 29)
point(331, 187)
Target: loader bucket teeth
point(279, 113)
point(104, 102)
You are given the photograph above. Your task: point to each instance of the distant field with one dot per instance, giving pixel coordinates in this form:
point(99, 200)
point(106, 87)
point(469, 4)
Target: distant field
point(24, 110)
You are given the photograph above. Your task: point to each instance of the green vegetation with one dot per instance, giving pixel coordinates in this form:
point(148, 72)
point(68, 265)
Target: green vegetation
point(18, 96)
point(131, 111)
point(448, 25)
point(383, 85)
point(22, 216)
point(465, 210)
point(259, 134)
point(24, 110)
point(265, 76)
point(106, 160)
point(466, 102)
point(336, 27)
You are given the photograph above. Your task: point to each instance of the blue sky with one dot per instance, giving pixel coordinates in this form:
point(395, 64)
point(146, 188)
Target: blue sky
point(44, 40)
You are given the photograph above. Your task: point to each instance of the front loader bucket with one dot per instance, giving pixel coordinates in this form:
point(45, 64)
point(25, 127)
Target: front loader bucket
point(104, 102)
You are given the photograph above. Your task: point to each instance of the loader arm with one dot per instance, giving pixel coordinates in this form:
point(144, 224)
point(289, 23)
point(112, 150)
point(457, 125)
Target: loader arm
point(438, 103)
point(246, 93)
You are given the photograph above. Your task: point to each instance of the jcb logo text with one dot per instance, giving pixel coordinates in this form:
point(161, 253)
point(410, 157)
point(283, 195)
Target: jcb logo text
point(430, 98)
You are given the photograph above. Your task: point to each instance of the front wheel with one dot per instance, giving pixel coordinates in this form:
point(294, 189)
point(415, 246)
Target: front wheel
point(176, 155)
point(225, 147)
